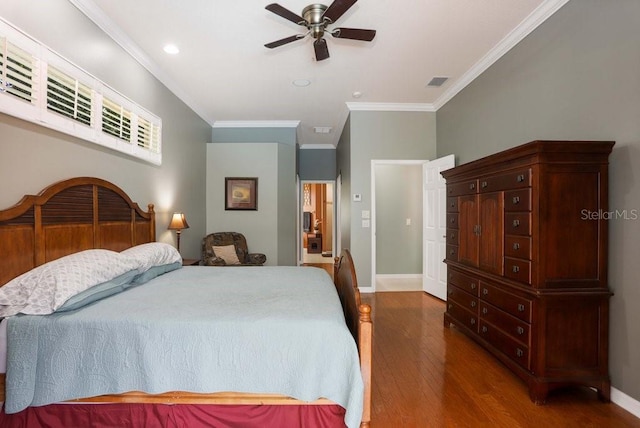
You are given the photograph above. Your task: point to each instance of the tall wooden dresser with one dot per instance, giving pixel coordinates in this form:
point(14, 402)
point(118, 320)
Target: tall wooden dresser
point(527, 261)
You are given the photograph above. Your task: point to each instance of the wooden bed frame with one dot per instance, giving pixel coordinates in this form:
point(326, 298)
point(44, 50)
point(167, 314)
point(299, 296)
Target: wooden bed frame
point(84, 213)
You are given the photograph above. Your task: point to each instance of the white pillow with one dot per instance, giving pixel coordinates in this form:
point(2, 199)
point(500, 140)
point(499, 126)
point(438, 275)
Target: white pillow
point(45, 288)
point(152, 254)
point(227, 253)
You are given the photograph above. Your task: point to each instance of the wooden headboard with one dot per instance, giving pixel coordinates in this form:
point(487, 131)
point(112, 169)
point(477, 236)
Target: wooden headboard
point(70, 216)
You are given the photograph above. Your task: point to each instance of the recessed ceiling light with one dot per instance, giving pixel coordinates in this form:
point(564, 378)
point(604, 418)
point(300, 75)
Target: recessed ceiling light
point(171, 49)
point(301, 82)
point(322, 129)
point(356, 94)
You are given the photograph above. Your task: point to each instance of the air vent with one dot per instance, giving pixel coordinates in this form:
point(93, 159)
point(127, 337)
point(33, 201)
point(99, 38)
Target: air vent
point(437, 81)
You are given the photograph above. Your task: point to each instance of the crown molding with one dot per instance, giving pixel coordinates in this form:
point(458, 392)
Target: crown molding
point(256, 124)
point(95, 14)
point(530, 23)
point(391, 107)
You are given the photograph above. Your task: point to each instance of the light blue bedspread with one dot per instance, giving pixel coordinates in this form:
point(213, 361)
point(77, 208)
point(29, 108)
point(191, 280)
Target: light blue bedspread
point(200, 329)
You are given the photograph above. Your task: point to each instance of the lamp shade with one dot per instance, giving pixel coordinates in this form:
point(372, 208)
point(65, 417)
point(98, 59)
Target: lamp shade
point(178, 222)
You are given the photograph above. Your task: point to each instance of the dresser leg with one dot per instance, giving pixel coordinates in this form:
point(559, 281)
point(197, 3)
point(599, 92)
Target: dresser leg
point(538, 391)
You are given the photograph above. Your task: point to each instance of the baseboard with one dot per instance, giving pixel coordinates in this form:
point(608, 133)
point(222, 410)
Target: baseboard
point(399, 275)
point(630, 404)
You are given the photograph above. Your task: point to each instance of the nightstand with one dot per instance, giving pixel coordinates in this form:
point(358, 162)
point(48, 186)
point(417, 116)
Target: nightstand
point(190, 262)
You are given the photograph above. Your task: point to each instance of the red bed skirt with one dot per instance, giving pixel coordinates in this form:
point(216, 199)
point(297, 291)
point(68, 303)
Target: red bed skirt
point(122, 415)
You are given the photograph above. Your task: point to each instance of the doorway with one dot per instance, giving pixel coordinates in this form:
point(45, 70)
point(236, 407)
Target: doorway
point(317, 234)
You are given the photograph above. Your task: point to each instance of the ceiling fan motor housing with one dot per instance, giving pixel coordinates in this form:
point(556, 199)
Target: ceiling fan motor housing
point(313, 14)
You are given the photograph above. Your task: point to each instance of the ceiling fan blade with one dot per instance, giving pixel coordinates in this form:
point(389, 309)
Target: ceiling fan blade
point(337, 9)
point(321, 48)
point(284, 41)
point(285, 13)
point(354, 33)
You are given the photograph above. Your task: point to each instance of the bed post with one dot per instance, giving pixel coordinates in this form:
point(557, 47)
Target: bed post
point(358, 319)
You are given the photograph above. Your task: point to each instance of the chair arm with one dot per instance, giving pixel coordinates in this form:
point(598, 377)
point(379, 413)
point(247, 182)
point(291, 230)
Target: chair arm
point(256, 259)
point(213, 261)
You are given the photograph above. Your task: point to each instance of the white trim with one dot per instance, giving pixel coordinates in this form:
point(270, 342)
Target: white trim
point(391, 107)
point(95, 14)
point(316, 146)
point(530, 23)
point(630, 404)
point(256, 124)
point(399, 276)
point(366, 290)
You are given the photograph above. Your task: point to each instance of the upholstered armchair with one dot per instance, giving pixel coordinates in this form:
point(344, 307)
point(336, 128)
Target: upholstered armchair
point(218, 249)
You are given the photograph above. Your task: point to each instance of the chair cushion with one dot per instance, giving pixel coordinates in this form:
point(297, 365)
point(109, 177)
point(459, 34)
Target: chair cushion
point(227, 253)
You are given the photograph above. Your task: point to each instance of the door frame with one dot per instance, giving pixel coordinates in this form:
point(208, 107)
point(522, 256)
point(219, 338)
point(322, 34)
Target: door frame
point(334, 211)
point(374, 163)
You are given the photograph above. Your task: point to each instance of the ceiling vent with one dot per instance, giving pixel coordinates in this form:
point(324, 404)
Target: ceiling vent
point(437, 81)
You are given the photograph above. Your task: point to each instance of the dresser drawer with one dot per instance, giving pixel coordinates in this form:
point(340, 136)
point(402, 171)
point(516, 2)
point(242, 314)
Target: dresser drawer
point(517, 200)
point(518, 247)
point(517, 269)
point(452, 253)
point(462, 316)
point(511, 325)
point(517, 224)
point(452, 237)
point(513, 349)
point(452, 204)
point(467, 283)
point(463, 188)
point(512, 180)
point(462, 298)
point(514, 305)
point(452, 220)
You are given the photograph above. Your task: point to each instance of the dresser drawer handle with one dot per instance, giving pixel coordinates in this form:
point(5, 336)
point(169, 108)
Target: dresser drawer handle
point(520, 178)
point(516, 246)
point(485, 311)
point(515, 269)
point(485, 291)
point(484, 329)
point(519, 352)
point(520, 330)
point(516, 200)
point(473, 304)
point(453, 220)
point(473, 285)
point(453, 204)
point(516, 223)
point(473, 321)
point(472, 186)
point(450, 306)
point(452, 236)
point(484, 184)
point(451, 252)
point(520, 307)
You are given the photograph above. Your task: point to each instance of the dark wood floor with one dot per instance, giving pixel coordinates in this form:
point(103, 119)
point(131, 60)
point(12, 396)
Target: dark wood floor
point(428, 376)
point(425, 375)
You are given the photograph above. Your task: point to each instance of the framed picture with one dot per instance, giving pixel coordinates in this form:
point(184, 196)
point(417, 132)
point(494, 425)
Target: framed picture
point(241, 193)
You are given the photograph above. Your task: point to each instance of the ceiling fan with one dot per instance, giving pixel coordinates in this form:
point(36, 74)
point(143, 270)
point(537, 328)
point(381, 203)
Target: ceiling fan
point(317, 17)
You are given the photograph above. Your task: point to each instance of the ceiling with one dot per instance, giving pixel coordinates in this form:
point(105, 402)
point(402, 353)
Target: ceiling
point(227, 76)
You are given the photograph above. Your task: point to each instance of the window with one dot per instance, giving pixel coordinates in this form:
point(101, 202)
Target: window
point(16, 71)
point(40, 86)
point(68, 97)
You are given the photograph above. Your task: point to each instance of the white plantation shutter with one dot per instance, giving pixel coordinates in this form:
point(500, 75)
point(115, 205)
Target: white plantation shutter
point(116, 120)
point(17, 69)
point(40, 86)
point(69, 97)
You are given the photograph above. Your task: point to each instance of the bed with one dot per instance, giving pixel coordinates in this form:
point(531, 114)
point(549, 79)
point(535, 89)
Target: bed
point(84, 215)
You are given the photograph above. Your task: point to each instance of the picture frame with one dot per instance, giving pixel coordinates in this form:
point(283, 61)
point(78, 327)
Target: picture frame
point(241, 193)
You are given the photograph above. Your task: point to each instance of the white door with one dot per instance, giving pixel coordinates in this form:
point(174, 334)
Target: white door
point(434, 271)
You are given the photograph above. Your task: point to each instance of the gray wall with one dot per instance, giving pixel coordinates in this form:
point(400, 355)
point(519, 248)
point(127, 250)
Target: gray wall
point(379, 135)
point(575, 77)
point(317, 164)
point(398, 198)
point(32, 157)
point(270, 155)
